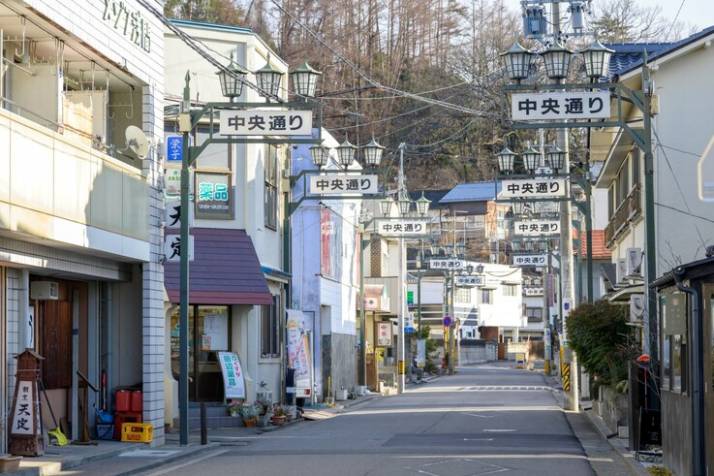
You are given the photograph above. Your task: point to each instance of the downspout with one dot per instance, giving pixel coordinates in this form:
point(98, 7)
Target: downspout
point(698, 463)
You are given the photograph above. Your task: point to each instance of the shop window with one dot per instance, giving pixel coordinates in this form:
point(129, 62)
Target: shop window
point(510, 290)
point(487, 296)
point(270, 329)
point(271, 187)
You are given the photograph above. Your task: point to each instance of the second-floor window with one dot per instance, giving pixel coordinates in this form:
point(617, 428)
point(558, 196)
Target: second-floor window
point(510, 290)
point(271, 188)
point(487, 296)
point(534, 314)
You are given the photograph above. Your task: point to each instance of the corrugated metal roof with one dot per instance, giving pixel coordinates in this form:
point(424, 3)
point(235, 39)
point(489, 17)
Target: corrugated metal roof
point(472, 192)
point(225, 270)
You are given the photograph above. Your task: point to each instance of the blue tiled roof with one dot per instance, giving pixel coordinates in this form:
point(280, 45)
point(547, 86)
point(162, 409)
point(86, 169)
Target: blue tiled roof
point(472, 192)
point(628, 56)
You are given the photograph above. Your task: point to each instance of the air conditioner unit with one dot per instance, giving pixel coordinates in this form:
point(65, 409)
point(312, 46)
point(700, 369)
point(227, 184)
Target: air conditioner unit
point(634, 262)
point(621, 270)
point(637, 307)
point(44, 290)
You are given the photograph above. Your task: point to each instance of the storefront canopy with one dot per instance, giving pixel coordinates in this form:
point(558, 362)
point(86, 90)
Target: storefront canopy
point(225, 270)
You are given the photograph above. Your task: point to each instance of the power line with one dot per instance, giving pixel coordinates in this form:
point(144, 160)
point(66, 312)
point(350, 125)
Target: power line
point(671, 27)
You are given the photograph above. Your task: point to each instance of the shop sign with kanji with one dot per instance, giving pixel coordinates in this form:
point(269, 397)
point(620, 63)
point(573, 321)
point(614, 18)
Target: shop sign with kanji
point(533, 291)
point(265, 122)
point(533, 188)
point(469, 281)
point(214, 197)
point(343, 184)
point(23, 418)
point(402, 228)
point(536, 227)
point(173, 248)
point(530, 260)
point(560, 105)
point(447, 263)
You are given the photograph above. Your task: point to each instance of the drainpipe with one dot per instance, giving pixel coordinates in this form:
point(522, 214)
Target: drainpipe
point(698, 463)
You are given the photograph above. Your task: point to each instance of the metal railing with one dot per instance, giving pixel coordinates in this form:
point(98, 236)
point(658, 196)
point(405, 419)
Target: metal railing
point(628, 210)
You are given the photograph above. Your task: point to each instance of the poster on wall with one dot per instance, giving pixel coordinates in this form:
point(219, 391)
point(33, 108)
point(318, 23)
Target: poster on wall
point(233, 379)
point(421, 353)
point(384, 334)
point(299, 353)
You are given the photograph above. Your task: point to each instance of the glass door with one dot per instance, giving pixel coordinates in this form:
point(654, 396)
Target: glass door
point(211, 337)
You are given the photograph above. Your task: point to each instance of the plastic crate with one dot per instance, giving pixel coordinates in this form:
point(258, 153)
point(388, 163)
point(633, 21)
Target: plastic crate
point(137, 432)
point(105, 431)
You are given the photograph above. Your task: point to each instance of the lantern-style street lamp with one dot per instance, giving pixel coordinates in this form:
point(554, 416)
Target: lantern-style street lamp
point(422, 205)
point(320, 155)
point(517, 61)
point(556, 157)
point(556, 59)
point(231, 79)
point(346, 153)
point(506, 159)
point(531, 157)
point(385, 206)
point(597, 60)
point(404, 205)
point(373, 153)
point(268, 79)
point(304, 79)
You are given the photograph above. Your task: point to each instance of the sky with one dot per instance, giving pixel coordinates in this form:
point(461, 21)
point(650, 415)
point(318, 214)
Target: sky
point(699, 13)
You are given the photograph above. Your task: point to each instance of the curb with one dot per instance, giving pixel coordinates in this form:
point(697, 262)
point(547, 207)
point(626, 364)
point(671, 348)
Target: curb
point(55, 467)
point(636, 468)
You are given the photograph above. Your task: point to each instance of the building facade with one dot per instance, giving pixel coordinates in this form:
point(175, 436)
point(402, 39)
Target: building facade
point(80, 262)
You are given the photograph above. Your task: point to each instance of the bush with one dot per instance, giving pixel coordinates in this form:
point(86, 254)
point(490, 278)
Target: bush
point(600, 336)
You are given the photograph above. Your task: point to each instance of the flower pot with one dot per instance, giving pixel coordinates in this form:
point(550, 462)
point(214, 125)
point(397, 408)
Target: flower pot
point(250, 422)
point(9, 463)
point(279, 420)
point(264, 420)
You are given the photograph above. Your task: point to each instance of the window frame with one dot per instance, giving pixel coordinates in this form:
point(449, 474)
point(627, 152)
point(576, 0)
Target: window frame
point(271, 197)
point(486, 296)
point(270, 331)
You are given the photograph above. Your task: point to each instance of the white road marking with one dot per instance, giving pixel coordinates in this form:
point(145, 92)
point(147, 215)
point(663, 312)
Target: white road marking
point(498, 430)
point(479, 416)
point(193, 461)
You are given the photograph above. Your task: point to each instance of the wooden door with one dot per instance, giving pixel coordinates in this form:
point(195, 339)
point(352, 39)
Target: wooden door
point(55, 322)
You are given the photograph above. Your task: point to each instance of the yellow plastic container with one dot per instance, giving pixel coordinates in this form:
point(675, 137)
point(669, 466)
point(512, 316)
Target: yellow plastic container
point(137, 432)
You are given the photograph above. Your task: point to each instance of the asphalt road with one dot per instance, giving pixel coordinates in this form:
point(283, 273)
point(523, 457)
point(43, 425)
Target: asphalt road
point(485, 420)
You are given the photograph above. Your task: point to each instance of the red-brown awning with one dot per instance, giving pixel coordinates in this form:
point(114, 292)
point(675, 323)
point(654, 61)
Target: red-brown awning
point(225, 270)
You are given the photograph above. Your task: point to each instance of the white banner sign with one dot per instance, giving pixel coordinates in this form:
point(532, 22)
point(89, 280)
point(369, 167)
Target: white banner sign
point(530, 260)
point(402, 228)
point(233, 379)
point(560, 105)
point(469, 281)
point(536, 227)
point(533, 291)
point(172, 247)
point(266, 122)
point(343, 184)
point(298, 344)
point(533, 188)
point(447, 263)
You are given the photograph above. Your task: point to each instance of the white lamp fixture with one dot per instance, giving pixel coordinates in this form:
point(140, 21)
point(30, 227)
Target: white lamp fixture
point(422, 205)
point(597, 60)
point(320, 155)
point(346, 153)
point(404, 205)
point(531, 157)
point(556, 157)
point(231, 79)
point(385, 206)
point(517, 61)
point(305, 80)
point(373, 153)
point(556, 59)
point(268, 80)
point(506, 159)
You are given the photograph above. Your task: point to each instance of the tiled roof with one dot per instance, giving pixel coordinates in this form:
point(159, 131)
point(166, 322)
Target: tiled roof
point(600, 251)
point(628, 56)
point(473, 192)
point(225, 270)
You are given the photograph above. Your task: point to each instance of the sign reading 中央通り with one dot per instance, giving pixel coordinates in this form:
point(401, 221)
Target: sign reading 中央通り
point(468, 281)
point(233, 380)
point(129, 23)
point(401, 228)
point(536, 227)
point(533, 188)
point(530, 260)
point(532, 291)
point(266, 122)
point(560, 105)
point(447, 263)
point(214, 197)
point(342, 184)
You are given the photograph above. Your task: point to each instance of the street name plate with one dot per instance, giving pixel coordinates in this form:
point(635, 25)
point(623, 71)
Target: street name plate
point(343, 184)
point(447, 264)
point(560, 105)
point(469, 281)
point(536, 227)
point(403, 228)
point(265, 122)
point(530, 260)
point(533, 188)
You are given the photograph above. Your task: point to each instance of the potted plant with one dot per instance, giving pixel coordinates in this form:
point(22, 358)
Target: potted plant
point(234, 408)
point(279, 415)
point(250, 414)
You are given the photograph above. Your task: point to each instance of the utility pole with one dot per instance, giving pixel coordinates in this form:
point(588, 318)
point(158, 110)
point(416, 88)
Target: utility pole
point(402, 194)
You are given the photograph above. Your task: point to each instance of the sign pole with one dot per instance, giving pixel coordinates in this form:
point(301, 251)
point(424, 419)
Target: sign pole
point(183, 289)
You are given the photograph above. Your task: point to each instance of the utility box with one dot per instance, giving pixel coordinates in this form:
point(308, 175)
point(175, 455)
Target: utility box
point(44, 290)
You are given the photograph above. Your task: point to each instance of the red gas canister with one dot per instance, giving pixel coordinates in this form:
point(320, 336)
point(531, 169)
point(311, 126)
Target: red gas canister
point(122, 400)
point(137, 401)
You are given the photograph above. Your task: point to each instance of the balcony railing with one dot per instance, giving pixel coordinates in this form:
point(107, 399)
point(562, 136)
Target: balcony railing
point(628, 210)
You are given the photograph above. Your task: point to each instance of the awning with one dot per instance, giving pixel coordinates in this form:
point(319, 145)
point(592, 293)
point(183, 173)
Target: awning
point(225, 270)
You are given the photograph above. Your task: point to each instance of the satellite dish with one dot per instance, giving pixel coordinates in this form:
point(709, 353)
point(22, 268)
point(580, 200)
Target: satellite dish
point(136, 141)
